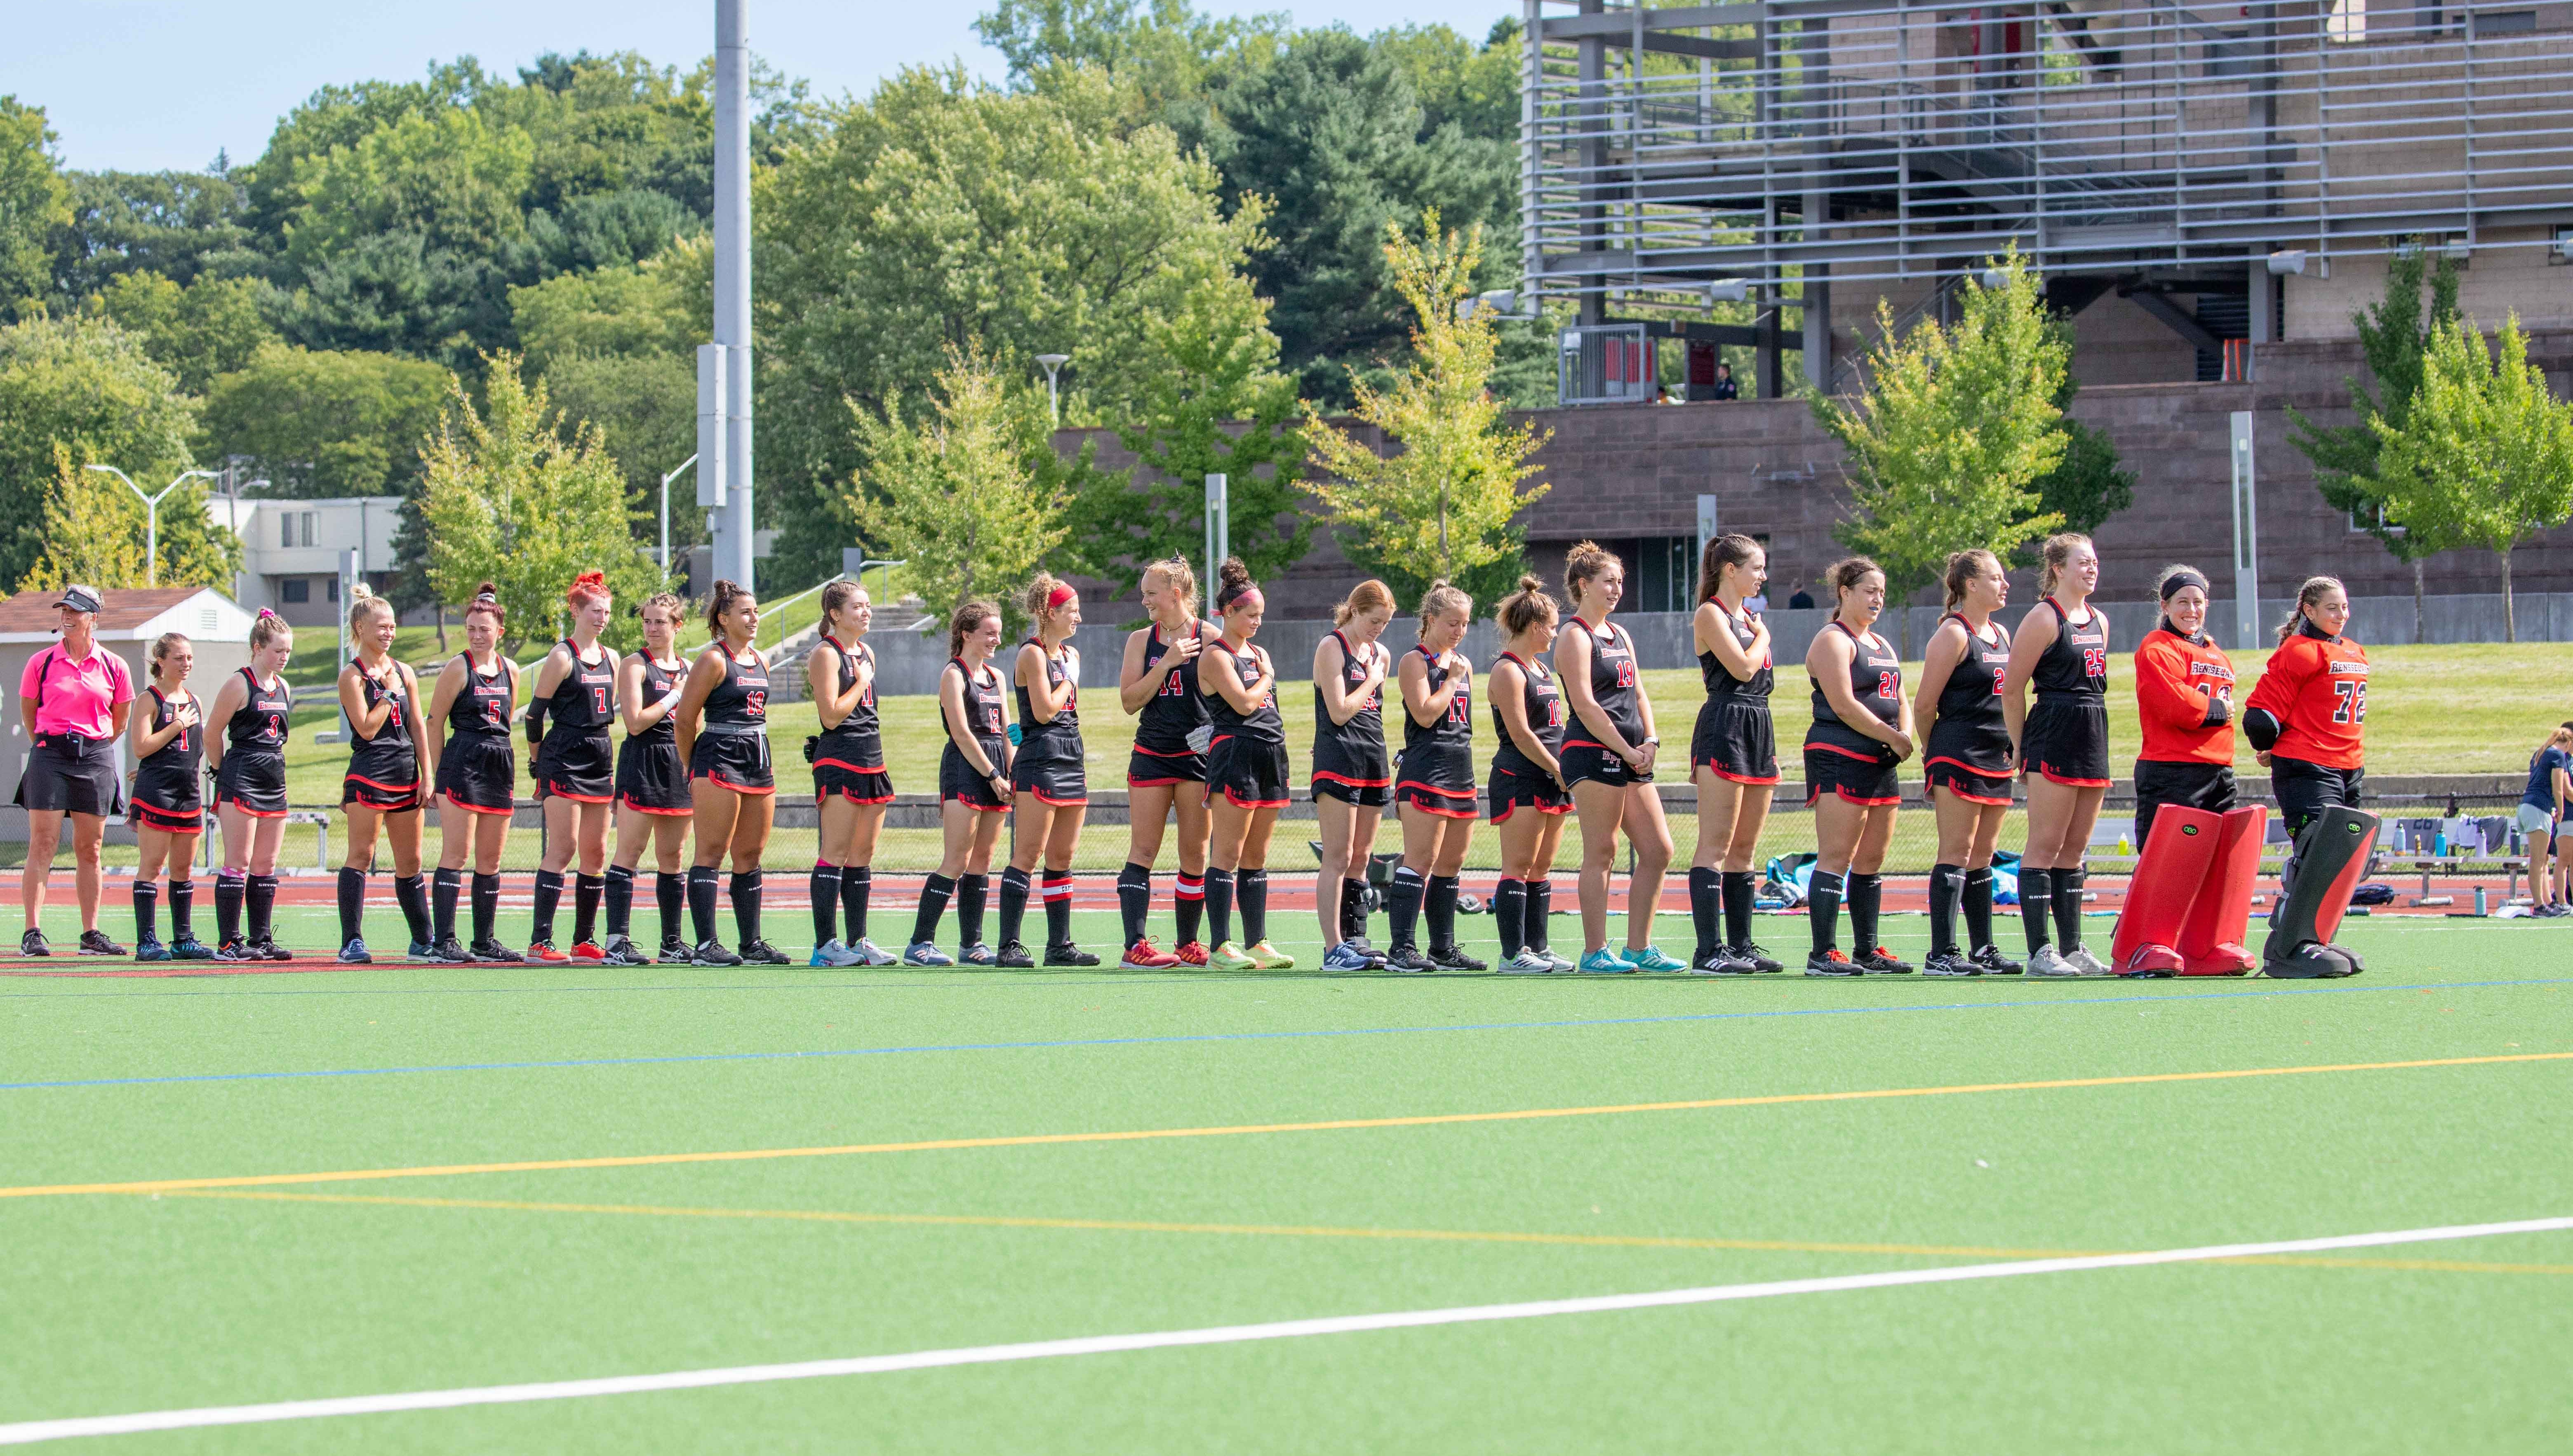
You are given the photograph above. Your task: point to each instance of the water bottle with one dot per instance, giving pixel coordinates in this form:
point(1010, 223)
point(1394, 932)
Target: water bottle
point(2479, 900)
point(2439, 845)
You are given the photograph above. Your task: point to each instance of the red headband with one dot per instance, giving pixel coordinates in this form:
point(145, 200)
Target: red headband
point(1057, 597)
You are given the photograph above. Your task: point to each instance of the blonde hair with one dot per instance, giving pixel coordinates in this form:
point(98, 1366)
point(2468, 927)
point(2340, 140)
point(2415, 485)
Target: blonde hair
point(1040, 592)
point(163, 646)
point(2313, 592)
point(835, 596)
point(968, 617)
point(667, 601)
point(1586, 560)
point(363, 604)
point(1525, 607)
point(1367, 596)
point(1730, 550)
point(2057, 555)
point(1175, 571)
point(1965, 567)
point(1443, 598)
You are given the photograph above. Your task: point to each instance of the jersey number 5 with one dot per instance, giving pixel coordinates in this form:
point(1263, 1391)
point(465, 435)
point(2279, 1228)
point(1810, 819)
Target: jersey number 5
point(2350, 705)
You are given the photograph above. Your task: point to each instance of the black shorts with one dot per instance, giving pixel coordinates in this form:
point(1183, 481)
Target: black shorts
point(1438, 799)
point(1511, 792)
point(2067, 742)
point(2305, 790)
point(1853, 776)
point(158, 806)
point(253, 785)
point(735, 761)
point(1972, 763)
point(1146, 769)
point(1594, 763)
point(1056, 782)
point(957, 780)
point(1351, 791)
point(1250, 773)
point(1736, 738)
point(79, 778)
point(833, 779)
point(2207, 785)
point(581, 767)
point(648, 779)
point(479, 772)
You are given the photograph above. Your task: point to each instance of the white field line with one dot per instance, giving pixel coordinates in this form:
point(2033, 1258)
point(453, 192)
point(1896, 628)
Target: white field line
point(27, 1432)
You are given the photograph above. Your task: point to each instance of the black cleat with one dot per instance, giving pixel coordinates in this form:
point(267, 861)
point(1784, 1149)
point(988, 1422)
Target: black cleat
point(1014, 957)
point(1407, 957)
point(1719, 961)
point(149, 947)
point(761, 952)
point(1761, 960)
point(33, 943)
point(1453, 959)
point(1882, 962)
point(1831, 962)
point(492, 951)
point(712, 953)
point(1069, 954)
point(269, 949)
point(96, 942)
point(675, 952)
point(1994, 962)
point(452, 952)
point(1948, 963)
point(235, 949)
point(189, 947)
point(421, 950)
point(620, 951)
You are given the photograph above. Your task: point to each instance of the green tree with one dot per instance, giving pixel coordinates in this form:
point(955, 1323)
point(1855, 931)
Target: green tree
point(176, 223)
point(97, 531)
point(2090, 484)
point(34, 201)
point(2393, 337)
point(88, 389)
point(962, 492)
point(319, 423)
point(1443, 505)
point(211, 327)
point(1945, 449)
point(515, 497)
point(647, 307)
point(2484, 456)
point(645, 408)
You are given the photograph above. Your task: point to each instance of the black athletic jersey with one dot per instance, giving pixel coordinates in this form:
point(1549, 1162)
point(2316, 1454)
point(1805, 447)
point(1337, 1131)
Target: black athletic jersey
point(658, 679)
point(1441, 752)
point(1059, 739)
point(1355, 749)
point(168, 774)
point(482, 709)
point(858, 743)
point(1876, 680)
point(1262, 726)
point(1175, 710)
point(1545, 703)
point(1973, 696)
point(982, 714)
point(257, 726)
point(585, 702)
point(1612, 685)
point(1721, 683)
point(374, 692)
point(2075, 663)
point(739, 703)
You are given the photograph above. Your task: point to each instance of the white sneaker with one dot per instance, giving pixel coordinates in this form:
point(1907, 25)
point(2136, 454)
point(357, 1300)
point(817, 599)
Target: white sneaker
point(2049, 964)
point(1528, 963)
point(2080, 959)
point(922, 953)
point(871, 954)
point(833, 953)
point(1561, 966)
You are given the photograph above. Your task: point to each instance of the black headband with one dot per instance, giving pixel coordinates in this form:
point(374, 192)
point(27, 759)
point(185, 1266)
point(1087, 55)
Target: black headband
point(2183, 577)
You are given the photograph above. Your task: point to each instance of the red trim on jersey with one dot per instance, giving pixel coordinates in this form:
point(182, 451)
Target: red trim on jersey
point(721, 782)
point(627, 802)
point(449, 797)
point(1721, 772)
point(1866, 758)
point(1345, 779)
point(179, 823)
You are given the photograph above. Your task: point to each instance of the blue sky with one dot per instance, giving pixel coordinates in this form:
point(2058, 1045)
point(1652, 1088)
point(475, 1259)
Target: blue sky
point(145, 85)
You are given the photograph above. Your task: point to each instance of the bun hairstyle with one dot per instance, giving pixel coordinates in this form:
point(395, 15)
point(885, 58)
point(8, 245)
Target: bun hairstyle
point(1180, 577)
point(2056, 555)
point(1730, 550)
point(968, 620)
point(667, 601)
point(1586, 560)
point(1965, 567)
point(268, 629)
point(587, 587)
point(1233, 584)
point(1046, 596)
point(719, 605)
point(1440, 599)
point(2313, 591)
point(363, 604)
point(1525, 607)
point(837, 596)
point(1367, 596)
point(167, 644)
point(1846, 573)
point(486, 598)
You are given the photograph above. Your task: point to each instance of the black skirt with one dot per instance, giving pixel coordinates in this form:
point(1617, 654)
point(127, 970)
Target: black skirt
point(70, 775)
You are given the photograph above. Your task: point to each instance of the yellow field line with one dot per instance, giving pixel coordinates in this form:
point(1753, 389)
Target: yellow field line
point(1340, 1125)
point(1291, 1231)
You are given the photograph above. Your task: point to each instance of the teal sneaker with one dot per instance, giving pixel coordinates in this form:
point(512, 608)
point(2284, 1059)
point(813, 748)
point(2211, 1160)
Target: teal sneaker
point(1605, 963)
point(1650, 958)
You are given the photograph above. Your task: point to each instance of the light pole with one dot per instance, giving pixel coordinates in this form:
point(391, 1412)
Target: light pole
point(151, 515)
point(1054, 399)
point(675, 473)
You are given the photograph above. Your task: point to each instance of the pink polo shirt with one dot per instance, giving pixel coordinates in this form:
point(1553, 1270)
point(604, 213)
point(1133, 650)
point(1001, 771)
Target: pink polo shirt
point(78, 697)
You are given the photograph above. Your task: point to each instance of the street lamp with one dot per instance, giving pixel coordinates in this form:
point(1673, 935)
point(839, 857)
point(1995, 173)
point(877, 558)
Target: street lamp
point(151, 515)
point(1054, 399)
point(675, 474)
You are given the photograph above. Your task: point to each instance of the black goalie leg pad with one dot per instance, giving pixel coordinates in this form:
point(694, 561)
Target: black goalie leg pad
point(2331, 856)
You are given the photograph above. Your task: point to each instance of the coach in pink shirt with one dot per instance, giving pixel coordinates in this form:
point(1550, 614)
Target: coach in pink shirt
point(74, 698)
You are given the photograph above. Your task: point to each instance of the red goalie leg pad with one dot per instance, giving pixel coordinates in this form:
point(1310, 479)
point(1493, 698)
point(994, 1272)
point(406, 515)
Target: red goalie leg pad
point(2210, 941)
point(2167, 880)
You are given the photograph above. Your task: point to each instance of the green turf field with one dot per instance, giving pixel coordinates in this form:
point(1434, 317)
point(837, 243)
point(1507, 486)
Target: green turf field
point(2036, 1119)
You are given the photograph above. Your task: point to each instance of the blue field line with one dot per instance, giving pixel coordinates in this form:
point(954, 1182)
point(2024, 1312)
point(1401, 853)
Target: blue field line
point(1208, 1036)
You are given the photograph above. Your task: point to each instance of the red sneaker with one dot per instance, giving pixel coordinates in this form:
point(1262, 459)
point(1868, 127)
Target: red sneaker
point(544, 953)
point(587, 951)
point(1194, 953)
point(1145, 956)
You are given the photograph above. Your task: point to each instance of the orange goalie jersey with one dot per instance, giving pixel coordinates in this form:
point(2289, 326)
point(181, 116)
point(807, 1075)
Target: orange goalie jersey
point(2317, 688)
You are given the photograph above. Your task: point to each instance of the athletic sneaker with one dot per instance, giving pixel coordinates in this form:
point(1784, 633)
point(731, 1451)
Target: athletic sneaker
point(1527, 962)
point(1605, 962)
point(149, 947)
point(1882, 962)
point(923, 952)
point(1069, 954)
point(1408, 959)
point(2047, 965)
point(622, 951)
point(1191, 953)
point(33, 943)
point(1718, 961)
point(355, 953)
point(1831, 962)
point(1948, 963)
point(96, 942)
point(1374, 957)
point(1014, 957)
point(189, 947)
point(833, 955)
point(675, 952)
point(543, 953)
point(1761, 960)
point(977, 954)
point(1561, 965)
point(712, 953)
point(266, 950)
point(1650, 958)
point(450, 952)
point(1994, 962)
point(588, 950)
point(1453, 959)
point(1270, 956)
point(1145, 956)
point(1347, 955)
point(420, 950)
point(235, 949)
point(871, 954)
point(497, 953)
point(1228, 956)
point(761, 952)
point(2090, 964)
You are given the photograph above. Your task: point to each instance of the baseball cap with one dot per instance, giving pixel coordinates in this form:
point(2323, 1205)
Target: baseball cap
point(79, 598)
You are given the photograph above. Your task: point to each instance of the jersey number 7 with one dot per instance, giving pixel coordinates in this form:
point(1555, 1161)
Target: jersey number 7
point(2350, 703)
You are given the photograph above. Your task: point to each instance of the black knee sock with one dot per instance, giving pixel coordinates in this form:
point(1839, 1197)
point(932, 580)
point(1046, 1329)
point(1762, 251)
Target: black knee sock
point(262, 902)
point(1510, 907)
point(670, 893)
point(1251, 891)
point(971, 891)
point(2036, 905)
point(228, 890)
point(1947, 884)
point(1865, 894)
point(182, 904)
point(1440, 901)
point(444, 890)
point(586, 892)
point(1353, 911)
point(1056, 889)
point(933, 904)
point(352, 903)
point(1977, 901)
point(550, 886)
point(486, 907)
point(147, 910)
point(745, 904)
point(1541, 910)
point(1823, 909)
point(701, 902)
point(2067, 907)
point(856, 882)
point(1402, 907)
point(1218, 903)
point(620, 902)
point(412, 896)
point(1134, 899)
point(1706, 910)
point(1013, 903)
point(1737, 906)
point(1187, 906)
point(825, 885)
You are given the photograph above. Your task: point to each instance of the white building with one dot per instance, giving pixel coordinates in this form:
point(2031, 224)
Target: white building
point(291, 549)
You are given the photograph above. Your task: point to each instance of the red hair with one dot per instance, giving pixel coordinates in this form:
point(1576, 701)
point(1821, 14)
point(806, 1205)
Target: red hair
point(587, 587)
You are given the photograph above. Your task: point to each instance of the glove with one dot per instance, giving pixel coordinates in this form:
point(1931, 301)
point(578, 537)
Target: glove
point(2220, 711)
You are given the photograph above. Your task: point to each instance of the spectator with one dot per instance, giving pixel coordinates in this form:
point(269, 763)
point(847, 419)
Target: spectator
point(1725, 388)
point(1802, 601)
